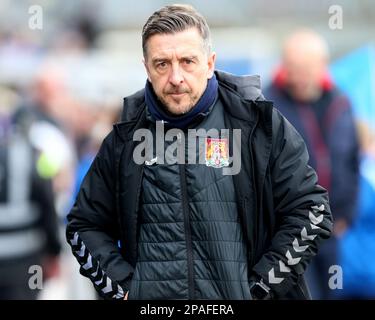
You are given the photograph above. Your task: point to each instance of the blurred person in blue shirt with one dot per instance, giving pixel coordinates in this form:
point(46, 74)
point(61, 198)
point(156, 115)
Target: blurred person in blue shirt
point(357, 247)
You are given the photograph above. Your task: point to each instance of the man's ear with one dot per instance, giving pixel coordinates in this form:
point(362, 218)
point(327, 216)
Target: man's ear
point(147, 70)
point(211, 64)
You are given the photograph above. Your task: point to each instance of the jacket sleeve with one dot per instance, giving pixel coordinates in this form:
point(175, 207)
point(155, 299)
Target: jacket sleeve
point(93, 228)
point(301, 207)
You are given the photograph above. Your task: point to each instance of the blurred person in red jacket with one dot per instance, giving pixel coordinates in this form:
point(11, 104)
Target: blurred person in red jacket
point(304, 93)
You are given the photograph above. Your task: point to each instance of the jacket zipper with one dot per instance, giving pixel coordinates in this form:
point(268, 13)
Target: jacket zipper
point(255, 194)
point(189, 249)
point(139, 188)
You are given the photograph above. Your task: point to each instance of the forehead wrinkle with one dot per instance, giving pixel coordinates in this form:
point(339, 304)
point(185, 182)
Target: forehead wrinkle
point(178, 43)
point(164, 56)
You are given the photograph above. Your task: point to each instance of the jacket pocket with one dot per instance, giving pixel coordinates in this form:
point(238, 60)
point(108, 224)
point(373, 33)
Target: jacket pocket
point(248, 237)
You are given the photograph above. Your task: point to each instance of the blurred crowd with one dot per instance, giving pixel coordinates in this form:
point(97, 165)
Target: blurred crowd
point(50, 132)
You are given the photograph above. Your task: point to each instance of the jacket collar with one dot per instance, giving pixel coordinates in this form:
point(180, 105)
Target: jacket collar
point(248, 87)
point(243, 92)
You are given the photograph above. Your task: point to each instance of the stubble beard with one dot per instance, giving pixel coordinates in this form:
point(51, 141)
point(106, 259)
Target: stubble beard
point(181, 109)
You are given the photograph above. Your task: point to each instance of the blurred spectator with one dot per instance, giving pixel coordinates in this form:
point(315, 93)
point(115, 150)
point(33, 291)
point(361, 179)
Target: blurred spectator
point(357, 246)
point(50, 116)
point(79, 37)
point(28, 222)
point(305, 95)
point(105, 117)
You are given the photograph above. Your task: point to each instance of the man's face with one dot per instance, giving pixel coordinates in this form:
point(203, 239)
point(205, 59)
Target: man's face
point(178, 67)
point(304, 73)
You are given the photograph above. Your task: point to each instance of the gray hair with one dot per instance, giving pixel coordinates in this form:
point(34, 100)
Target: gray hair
point(175, 18)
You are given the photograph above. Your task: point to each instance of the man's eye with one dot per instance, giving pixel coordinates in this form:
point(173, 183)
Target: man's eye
point(161, 65)
point(188, 61)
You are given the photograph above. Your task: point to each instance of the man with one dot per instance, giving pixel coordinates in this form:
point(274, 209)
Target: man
point(29, 233)
point(305, 95)
point(186, 230)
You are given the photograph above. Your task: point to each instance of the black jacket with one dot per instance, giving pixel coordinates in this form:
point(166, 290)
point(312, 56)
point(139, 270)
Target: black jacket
point(284, 212)
point(191, 243)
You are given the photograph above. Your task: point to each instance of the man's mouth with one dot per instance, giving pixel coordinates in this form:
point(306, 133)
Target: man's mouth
point(177, 94)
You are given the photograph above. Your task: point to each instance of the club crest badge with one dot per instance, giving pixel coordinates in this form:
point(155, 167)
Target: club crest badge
point(217, 153)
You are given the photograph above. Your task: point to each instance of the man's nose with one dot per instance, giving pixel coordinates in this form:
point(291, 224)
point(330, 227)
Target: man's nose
point(176, 76)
